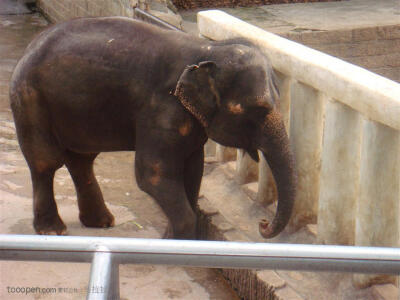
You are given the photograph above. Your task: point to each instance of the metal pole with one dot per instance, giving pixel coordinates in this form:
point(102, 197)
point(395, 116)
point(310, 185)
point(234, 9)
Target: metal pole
point(149, 18)
point(210, 254)
point(104, 277)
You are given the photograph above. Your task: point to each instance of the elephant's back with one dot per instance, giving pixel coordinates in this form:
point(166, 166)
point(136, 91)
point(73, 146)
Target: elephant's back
point(105, 38)
point(107, 47)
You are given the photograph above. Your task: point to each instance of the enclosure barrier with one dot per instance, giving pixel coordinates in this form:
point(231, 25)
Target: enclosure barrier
point(149, 18)
point(106, 254)
point(344, 126)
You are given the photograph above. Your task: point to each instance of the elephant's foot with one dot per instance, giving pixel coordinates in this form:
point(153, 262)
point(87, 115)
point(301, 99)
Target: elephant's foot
point(97, 218)
point(187, 233)
point(49, 225)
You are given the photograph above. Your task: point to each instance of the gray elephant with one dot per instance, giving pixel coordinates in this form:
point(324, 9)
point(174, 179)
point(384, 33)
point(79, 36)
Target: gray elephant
point(109, 84)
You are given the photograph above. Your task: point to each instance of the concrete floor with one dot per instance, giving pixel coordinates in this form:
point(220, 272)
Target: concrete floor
point(136, 213)
point(325, 15)
point(282, 18)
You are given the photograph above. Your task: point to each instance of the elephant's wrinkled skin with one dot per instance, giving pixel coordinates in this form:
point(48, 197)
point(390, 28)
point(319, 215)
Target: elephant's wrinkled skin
point(109, 84)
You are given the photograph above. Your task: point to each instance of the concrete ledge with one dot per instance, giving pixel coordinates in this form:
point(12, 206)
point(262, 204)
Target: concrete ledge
point(226, 213)
point(249, 284)
point(374, 96)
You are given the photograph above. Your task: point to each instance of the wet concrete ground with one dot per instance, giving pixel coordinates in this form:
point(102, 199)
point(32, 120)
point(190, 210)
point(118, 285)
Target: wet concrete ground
point(136, 213)
point(323, 16)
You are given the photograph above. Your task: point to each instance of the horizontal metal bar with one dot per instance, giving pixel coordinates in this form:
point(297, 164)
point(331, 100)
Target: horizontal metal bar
point(204, 253)
point(149, 18)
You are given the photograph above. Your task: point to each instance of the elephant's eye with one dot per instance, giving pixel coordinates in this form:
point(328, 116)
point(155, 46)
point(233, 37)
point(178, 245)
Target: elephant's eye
point(266, 100)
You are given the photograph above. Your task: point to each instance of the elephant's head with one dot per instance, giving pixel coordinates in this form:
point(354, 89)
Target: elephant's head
point(233, 95)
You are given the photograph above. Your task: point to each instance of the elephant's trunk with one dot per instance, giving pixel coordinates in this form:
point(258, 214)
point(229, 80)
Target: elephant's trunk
point(274, 144)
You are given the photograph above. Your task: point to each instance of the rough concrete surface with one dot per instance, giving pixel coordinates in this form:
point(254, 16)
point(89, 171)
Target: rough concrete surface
point(136, 213)
point(281, 18)
point(323, 16)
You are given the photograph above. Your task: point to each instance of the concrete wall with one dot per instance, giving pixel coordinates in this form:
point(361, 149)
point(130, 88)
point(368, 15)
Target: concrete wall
point(344, 128)
point(376, 48)
point(62, 10)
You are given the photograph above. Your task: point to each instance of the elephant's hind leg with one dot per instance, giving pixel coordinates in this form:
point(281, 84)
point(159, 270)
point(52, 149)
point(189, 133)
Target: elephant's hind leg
point(44, 158)
point(43, 155)
point(92, 209)
point(46, 217)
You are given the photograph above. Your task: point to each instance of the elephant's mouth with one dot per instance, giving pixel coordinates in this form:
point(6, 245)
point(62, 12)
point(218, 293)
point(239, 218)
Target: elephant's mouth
point(253, 154)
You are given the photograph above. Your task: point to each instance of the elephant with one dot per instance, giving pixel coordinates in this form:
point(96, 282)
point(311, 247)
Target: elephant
point(100, 84)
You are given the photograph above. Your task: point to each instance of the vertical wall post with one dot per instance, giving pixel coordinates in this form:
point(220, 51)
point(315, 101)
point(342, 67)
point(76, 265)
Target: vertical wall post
point(210, 148)
point(225, 154)
point(340, 170)
point(246, 168)
point(377, 219)
point(306, 131)
point(267, 192)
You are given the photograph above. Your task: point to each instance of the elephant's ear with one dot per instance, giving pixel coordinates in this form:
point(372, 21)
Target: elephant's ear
point(197, 92)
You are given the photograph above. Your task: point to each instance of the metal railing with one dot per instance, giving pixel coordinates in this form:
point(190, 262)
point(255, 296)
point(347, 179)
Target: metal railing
point(149, 18)
point(106, 254)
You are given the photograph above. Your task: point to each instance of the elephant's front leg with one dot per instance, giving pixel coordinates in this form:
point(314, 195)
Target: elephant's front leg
point(194, 166)
point(161, 174)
